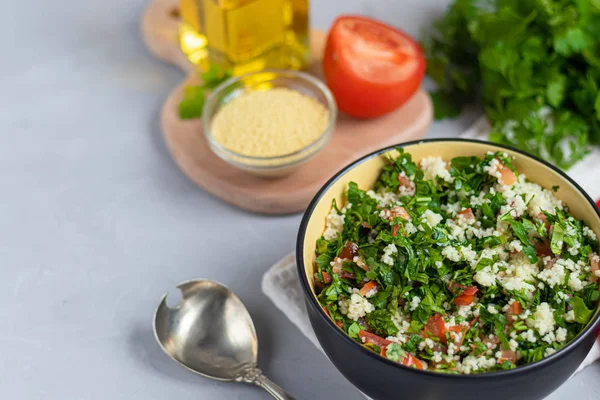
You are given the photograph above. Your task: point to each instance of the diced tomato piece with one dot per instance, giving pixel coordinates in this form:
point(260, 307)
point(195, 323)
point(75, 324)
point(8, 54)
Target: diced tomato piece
point(361, 264)
point(542, 217)
point(464, 300)
point(349, 251)
point(493, 341)
point(435, 327)
point(439, 347)
point(404, 181)
point(459, 334)
point(368, 337)
point(383, 351)
point(598, 203)
point(340, 324)
point(467, 297)
point(459, 343)
point(326, 277)
point(395, 229)
point(338, 269)
point(347, 275)
point(508, 176)
point(550, 263)
point(471, 290)
point(337, 266)
point(365, 224)
point(515, 308)
point(467, 214)
point(398, 211)
point(542, 248)
point(326, 311)
point(409, 361)
point(508, 355)
point(367, 287)
point(453, 286)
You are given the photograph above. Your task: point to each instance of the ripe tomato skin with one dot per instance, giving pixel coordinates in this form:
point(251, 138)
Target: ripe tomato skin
point(363, 96)
point(368, 337)
point(467, 296)
point(515, 308)
point(409, 361)
point(435, 327)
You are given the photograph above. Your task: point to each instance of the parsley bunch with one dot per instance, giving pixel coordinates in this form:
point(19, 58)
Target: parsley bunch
point(535, 64)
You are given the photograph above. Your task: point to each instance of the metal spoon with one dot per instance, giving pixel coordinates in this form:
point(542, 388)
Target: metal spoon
point(211, 333)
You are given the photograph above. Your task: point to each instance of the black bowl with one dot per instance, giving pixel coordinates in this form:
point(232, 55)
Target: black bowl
point(381, 378)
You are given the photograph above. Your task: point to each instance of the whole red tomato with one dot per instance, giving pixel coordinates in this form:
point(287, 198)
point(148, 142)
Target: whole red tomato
point(371, 68)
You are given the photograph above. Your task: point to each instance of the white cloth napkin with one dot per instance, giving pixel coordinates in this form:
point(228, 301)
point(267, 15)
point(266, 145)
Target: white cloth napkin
point(281, 284)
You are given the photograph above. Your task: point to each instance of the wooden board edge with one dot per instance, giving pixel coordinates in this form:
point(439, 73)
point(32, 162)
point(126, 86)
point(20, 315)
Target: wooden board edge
point(264, 203)
point(160, 30)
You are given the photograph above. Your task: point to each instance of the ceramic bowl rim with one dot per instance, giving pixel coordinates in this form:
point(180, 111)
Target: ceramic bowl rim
point(307, 292)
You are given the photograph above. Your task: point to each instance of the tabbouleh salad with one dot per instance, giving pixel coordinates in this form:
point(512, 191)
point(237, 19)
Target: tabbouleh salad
point(459, 267)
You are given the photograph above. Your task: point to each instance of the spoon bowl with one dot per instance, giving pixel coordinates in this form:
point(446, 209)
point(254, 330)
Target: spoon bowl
point(211, 333)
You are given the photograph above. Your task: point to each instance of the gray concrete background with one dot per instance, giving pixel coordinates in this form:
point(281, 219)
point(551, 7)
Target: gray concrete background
point(97, 222)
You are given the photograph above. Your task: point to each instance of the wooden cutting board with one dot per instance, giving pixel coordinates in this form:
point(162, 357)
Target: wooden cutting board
point(351, 139)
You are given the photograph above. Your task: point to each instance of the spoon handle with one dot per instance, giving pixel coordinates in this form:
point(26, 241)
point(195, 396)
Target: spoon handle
point(256, 376)
point(274, 389)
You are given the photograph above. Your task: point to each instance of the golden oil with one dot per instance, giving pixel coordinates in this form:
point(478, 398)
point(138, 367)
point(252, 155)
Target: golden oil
point(191, 40)
point(246, 35)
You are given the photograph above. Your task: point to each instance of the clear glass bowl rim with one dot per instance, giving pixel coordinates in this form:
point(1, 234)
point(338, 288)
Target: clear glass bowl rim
point(309, 149)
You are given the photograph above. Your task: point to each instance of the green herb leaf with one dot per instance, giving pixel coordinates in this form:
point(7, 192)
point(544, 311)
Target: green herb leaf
point(353, 330)
point(533, 355)
point(214, 76)
point(323, 262)
point(394, 352)
point(573, 40)
point(555, 92)
point(380, 322)
point(192, 104)
point(331, 293)
point(520, 232)
point(582, 313)
point(558, 234)
point(412, 344)
point(444, 106)
point(380, 299)
point(533, 64)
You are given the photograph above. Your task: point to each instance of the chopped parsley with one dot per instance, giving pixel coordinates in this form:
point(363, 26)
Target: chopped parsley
point(457, 267)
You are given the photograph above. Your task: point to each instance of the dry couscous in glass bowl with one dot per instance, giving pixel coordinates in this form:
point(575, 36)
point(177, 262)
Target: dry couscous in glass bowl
point(269, 122)
point(444, 262)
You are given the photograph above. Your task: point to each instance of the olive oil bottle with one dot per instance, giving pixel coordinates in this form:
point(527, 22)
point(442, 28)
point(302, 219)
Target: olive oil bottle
point(245, 35)
point(191, 39)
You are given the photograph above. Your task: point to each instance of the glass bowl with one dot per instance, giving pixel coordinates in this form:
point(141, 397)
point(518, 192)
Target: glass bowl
point(280, 165)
